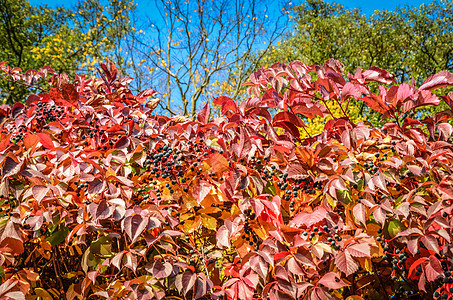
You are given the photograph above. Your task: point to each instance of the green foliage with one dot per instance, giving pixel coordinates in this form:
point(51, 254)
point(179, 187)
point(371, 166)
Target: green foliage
point(409, 41)
point(65, 39)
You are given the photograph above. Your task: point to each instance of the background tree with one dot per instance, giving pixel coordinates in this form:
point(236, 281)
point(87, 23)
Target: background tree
point(409, 41)
point(198, 44)
point(65, 39)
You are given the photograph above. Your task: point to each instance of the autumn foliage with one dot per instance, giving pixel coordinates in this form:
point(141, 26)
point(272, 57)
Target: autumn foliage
point(103, 199)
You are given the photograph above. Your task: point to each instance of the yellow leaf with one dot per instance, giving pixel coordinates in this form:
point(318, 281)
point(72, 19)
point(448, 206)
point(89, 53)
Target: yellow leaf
point(209, 222)
point(354, 297)
point(40, 292)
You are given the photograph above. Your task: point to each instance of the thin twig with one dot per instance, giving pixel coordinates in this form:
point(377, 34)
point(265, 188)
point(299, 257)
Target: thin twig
point(379, 280)
point(57, 274)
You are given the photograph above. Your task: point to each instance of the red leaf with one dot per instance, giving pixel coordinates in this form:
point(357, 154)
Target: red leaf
point(16, 246)
point(433, 269)
point(332, 281)
point(359, 250)
point(122, 143)
point(415, 264)
point(134, 226)
point(308, 219)
point(438, 80)
point(161, 270)
point(375, 102)
point(69, 93)
point(203, 115)
point(288, 117)
point(346, 263)
point(45, 140)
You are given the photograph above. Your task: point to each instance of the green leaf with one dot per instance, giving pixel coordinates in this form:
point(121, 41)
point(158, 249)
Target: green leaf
point(395, 227)
point(344, 196)
point(58, 236)
point(270, 188)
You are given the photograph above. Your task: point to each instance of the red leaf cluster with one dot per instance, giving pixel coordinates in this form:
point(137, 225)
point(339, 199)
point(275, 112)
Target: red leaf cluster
point(100, 197)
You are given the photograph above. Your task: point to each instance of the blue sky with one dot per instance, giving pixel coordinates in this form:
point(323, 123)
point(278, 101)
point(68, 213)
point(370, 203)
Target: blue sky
point(367, 7)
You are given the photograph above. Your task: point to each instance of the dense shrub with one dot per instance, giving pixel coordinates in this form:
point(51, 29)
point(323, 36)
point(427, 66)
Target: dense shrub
point(101, 198)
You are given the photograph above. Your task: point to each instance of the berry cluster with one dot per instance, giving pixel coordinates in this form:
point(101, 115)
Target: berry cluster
point(164, 163)
point(18, 134)
point(8, 203)
point(291, 188)
point(47, 112)
point(332, 235)
point(381, 156)
point(249, 235)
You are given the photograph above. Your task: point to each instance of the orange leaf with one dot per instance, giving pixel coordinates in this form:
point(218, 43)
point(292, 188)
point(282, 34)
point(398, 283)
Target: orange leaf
point(305, 156)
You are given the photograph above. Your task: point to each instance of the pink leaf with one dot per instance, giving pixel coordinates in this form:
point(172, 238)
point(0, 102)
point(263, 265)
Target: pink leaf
point(332, 281)
point(10, 167)
point(187, 281)
point(359, 212)
point(134, 226)
point(349, 90)
point(39, 192)
point(379, 215)
point(259, 266)
point(122, 143)
point(116, 261)
point(96, 186)
point(131, 261)
point(346, 263)
point(379, 181)
point(438, 80)
point(103, 210)
point(433, 269)
point(430, 243)
point(161, 270)
point(308, 219)
point(201, 190)
point(359, 250)
point(377, 75)
point(223, 237)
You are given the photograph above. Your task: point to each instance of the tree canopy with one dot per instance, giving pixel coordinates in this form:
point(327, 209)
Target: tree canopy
point(68, 40)
point(409, 41)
